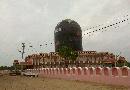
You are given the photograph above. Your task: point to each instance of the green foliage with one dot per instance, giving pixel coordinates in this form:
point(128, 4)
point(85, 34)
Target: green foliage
point(6, 68)
point(3, 68)
point(73, 55)
point(128, 64)
point(68, 53)
point(120, 64)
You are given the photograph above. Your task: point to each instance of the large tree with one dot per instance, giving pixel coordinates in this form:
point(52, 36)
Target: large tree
point(67, 53)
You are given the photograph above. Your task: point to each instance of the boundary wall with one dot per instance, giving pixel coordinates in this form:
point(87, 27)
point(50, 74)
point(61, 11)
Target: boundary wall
point(105, 75)
point(3, 72)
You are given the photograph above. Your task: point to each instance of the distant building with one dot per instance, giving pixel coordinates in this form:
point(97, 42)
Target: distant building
point(69, 33)
point(16, 62)
point(84, 59)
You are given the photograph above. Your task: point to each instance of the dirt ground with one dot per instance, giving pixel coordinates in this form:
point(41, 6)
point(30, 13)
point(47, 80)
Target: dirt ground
point(33, 83)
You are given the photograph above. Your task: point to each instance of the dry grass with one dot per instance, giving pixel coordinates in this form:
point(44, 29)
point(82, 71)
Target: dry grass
point(31, 83)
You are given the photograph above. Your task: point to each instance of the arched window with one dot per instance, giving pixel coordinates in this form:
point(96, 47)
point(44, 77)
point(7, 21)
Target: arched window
point(79, 71)
point(68, 70)
point(91, 71)
point(98, 71)
point(47, 71)
point(114, 72)
point(64, 70)
point(53, 71)
point(50, 70)
point(85, 71)
point(43, 70)
point(60, 70)
point(73, 70)
point(124, 72)
point(106, 71)
point(57, 71)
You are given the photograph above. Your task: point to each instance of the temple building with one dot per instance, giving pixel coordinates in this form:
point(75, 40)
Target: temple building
point(84, 59)
point(69, 33)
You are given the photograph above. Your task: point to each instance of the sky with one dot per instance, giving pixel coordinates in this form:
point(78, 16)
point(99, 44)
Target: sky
point(33, 22)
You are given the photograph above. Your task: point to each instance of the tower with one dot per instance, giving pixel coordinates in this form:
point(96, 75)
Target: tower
point(69, 33)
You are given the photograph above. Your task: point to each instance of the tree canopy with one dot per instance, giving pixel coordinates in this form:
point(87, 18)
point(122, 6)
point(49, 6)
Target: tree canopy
point(67, 53)
point(6, 68)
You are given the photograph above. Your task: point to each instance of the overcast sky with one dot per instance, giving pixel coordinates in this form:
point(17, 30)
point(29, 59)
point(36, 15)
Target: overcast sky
point(34, 21)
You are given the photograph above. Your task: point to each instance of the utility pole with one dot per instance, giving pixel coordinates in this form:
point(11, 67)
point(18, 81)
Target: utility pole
point(22, 51)
point(23, 48)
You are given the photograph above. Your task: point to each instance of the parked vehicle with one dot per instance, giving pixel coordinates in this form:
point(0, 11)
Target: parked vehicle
point(14, 73)
point(29, 74)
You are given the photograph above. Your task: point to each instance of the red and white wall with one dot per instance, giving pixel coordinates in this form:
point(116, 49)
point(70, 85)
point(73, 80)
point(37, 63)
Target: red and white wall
point(105, 75)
